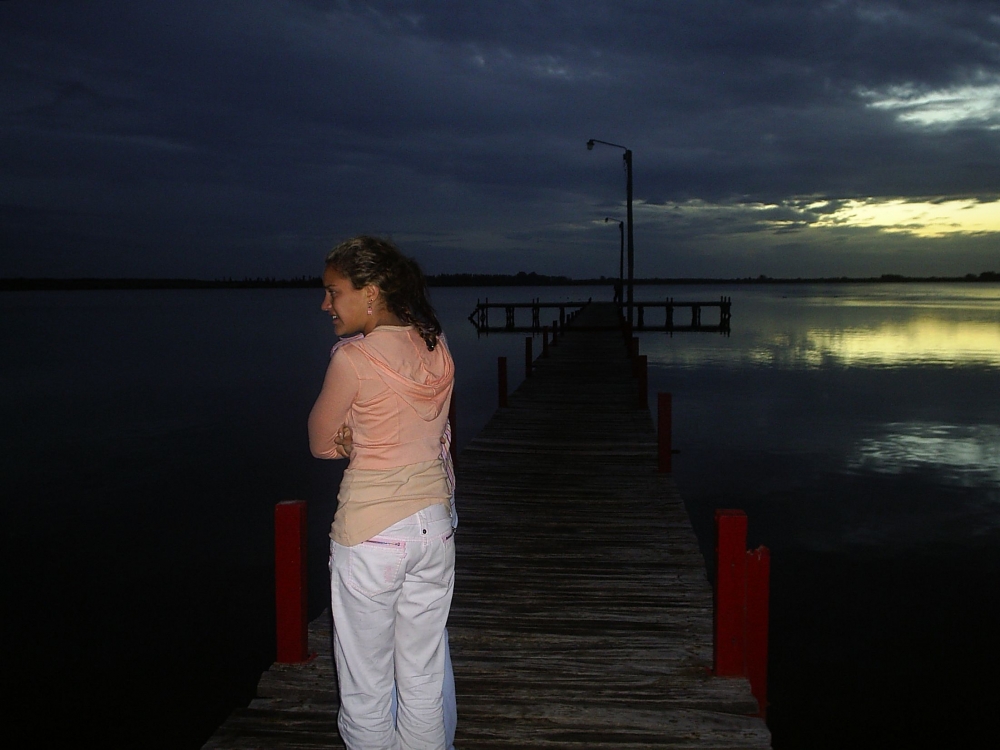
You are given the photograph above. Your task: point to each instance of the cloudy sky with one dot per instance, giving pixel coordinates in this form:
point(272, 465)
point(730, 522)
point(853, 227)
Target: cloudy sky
point(213, 138)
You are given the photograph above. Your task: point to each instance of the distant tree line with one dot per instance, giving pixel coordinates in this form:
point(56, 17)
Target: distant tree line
point(258, 282)
point(456, 279)
point(886, 278)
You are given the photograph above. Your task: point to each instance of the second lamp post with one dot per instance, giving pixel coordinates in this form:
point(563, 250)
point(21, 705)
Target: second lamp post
point(628, 216)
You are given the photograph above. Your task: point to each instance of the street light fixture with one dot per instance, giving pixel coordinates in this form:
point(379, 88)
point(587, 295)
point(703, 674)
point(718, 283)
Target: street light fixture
point(621, 258)
point(628, 194)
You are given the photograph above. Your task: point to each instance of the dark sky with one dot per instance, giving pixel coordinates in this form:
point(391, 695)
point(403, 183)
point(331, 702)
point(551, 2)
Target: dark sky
point(213, 138)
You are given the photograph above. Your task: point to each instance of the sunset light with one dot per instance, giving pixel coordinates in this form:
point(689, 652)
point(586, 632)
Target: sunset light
point(924, 340)
point(917, 218)
point(913, 218)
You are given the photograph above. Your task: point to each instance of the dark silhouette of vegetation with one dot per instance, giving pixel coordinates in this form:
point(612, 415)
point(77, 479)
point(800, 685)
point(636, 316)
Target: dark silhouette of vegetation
point(886, 278)
point(259, 282)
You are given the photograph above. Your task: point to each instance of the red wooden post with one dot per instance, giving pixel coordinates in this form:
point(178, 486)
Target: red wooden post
point(730, 593)
point(642, 366)
point(502, 380)
point(290, 581)
point(664, 426)
point(527, 356)
point(758, 600)
point(545, 341)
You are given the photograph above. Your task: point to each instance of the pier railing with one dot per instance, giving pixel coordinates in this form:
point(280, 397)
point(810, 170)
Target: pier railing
point(673, 324)
point(669, 320)
point(480, 317)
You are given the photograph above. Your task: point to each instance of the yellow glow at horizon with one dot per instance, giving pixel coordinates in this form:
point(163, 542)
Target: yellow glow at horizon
point(919, 341)
point(939, 218)
point(919, 219)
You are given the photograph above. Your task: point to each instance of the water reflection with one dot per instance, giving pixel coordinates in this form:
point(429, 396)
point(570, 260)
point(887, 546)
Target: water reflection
point(859, 427)
point(924, 340)
point(856, 326)
point(963, 455)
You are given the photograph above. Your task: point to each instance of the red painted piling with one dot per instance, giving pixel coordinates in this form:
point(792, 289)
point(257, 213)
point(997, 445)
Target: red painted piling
point(290, 581)
point(527, 357)
point(729, 651)
point(664, 419)
point(502, 380)
point(758, 602)
point(642, 366)
point(742, 599)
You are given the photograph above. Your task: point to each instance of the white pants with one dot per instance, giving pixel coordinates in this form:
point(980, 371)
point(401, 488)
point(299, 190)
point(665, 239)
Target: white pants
point(448, 699)
point(390, 598)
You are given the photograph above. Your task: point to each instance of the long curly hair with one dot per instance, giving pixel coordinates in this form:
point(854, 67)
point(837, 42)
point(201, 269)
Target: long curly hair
point(372, 260)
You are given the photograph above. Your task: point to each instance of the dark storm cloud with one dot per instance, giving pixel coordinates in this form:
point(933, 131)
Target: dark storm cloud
point(231, 138)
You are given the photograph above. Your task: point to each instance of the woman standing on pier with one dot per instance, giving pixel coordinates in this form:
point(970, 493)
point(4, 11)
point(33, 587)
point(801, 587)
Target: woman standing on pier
point(384, 405)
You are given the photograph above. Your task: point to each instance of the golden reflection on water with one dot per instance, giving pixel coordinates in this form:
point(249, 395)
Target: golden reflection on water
point(922, 340)
point(919, 341)
point(887, 326)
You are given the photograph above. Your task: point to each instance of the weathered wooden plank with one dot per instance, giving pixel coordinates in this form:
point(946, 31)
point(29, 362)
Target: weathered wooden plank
point(582, 614)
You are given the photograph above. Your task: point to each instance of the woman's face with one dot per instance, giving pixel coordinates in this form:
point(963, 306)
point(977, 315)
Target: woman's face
point(348, 307)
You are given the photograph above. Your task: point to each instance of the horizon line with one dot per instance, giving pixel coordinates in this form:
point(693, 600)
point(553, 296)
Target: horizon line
point(455, 279)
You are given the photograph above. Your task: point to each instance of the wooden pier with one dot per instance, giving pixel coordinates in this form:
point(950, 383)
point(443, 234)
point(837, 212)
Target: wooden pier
point(583, 616)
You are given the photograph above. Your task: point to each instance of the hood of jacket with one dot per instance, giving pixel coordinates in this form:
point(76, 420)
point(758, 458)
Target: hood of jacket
point(420, 377)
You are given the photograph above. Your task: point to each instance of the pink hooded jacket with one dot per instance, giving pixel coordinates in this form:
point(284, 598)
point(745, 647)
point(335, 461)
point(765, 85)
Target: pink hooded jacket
point(393, 393)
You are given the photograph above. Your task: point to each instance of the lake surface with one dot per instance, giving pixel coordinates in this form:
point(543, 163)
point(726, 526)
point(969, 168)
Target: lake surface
point(148, 435)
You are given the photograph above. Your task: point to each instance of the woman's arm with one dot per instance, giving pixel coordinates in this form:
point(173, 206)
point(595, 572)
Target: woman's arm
point(329, 413)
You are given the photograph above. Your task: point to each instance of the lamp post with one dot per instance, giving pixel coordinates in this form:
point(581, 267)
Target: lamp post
point(628, 216)
point(621, 256)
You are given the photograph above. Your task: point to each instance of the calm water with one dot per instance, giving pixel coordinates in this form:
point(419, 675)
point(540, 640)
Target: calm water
point(859, 427)
point(148, 435)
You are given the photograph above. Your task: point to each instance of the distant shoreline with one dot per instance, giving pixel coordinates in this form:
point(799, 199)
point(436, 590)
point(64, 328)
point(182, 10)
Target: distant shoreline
point(462, 280)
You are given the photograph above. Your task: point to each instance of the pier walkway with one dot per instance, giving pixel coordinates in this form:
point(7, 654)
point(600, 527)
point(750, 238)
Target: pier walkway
point(583, 614)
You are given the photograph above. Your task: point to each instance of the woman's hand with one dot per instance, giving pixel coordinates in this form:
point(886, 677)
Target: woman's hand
point(344, 441)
